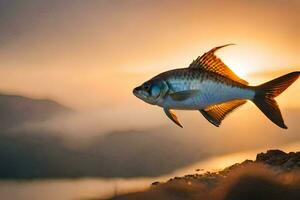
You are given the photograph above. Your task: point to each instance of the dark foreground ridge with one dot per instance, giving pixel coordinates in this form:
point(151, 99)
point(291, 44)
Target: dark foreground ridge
point(273, 175)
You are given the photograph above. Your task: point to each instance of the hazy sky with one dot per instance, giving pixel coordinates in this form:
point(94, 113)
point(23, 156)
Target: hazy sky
point(90, 54)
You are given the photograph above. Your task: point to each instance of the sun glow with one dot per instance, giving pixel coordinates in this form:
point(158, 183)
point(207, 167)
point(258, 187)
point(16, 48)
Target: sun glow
point(244, 60)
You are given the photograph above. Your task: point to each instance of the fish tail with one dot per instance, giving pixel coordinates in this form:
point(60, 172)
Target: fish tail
point(265, 94)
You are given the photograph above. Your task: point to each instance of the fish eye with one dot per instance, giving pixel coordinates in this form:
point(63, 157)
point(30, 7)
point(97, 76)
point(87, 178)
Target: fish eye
point(146, 87)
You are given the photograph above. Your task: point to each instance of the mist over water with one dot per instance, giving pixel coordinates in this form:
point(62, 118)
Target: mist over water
point(86, 124)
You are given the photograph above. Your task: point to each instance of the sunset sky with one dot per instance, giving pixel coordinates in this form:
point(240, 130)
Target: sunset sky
point(90, 54)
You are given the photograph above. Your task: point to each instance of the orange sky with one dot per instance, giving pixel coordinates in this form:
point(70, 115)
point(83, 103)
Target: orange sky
point(89, 54)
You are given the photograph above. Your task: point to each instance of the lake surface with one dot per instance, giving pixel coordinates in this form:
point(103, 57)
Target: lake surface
point(73, 189)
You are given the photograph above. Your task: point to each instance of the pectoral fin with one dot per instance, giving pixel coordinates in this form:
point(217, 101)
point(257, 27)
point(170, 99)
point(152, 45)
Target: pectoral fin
point(171, 114)
point(183, 95)
point(216, 113)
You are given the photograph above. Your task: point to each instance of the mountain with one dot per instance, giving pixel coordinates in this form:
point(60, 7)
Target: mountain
point(118, 154)
point(44, 153)
point(15, 110)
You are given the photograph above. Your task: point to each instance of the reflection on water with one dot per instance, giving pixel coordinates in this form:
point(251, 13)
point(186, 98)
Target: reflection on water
point(68, 189)
point(91, 188)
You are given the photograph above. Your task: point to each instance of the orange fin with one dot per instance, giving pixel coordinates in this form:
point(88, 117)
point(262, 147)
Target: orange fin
point(265, 94)
point(216, 113)
point(210, 62)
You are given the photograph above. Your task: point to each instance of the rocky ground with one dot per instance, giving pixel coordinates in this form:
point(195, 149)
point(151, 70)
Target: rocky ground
point(273, 175)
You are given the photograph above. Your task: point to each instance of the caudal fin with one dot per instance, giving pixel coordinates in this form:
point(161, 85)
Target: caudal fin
point(265, 94)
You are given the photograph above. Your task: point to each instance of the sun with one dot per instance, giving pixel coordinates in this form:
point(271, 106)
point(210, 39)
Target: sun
point(242, 64)
point(238, 66)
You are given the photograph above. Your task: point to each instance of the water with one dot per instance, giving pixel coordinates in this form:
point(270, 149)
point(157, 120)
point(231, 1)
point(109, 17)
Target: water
point(72, 189)
point(68, 189)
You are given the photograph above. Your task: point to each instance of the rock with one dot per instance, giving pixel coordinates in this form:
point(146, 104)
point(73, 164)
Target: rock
point(155, 183)
point(273, 167)
point(270, 155)
point(276, 159)
point(280, 159)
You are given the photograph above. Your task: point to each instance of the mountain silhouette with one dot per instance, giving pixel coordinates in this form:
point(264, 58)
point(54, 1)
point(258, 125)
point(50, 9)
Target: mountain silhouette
point(117, 154)
point(15, 110)
point(43, 153)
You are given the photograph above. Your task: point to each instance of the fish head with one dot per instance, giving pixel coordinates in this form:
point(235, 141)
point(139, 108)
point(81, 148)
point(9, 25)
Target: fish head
point(151, 91)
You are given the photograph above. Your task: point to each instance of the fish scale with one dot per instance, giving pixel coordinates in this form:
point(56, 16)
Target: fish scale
point(210, 86)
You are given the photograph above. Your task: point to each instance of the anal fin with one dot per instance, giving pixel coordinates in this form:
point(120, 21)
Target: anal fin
point(216, 113)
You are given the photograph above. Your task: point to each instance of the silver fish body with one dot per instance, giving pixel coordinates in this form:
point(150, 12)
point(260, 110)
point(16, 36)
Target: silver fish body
point(210, 87)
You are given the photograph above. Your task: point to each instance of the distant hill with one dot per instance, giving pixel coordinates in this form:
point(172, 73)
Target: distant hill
point(41, 153)
point(118, 154)
point(15, 110)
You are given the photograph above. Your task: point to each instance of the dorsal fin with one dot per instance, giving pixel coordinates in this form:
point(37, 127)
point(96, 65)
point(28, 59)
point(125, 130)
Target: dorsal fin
point(216, 113)
point(210, 62)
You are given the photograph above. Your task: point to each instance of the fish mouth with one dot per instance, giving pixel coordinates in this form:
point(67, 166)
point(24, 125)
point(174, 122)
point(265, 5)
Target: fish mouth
point(140, 93)
point(136, 91)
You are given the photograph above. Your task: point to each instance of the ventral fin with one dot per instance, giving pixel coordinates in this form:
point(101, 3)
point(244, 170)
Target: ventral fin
point(183, 95)
point(210, 62)
point(172, 115)
point(216, 113)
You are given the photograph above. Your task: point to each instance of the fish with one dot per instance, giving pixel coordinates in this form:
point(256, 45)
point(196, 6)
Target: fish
point(209, 86)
